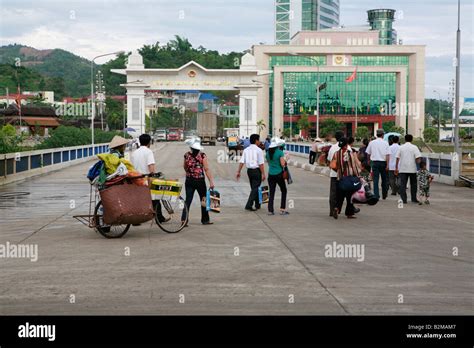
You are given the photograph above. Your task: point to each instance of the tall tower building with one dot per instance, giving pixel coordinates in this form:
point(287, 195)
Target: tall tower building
point(319, 14)
point(382, 20)
point(292, 16)
point(283, 17)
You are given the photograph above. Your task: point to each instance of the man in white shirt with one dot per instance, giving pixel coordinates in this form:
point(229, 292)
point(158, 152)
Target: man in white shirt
point(392, 165)
point(379, 153)
point(253, 159)
point(143, 161)
point(408, 156)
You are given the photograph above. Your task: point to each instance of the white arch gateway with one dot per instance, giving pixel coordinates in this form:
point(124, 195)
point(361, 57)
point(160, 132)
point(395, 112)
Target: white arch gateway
point(192, 76)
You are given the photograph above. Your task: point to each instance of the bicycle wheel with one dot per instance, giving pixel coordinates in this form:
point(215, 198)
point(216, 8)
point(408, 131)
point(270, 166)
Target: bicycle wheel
point(171, 214)
point(108, 231)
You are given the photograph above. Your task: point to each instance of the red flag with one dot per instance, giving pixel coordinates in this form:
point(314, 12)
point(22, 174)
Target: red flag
point(352, 77)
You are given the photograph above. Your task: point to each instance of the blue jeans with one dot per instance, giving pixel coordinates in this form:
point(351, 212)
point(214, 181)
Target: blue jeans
point(379, 168)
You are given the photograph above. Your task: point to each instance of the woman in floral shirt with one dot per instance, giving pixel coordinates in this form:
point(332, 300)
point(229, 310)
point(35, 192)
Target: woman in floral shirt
point(196, 167)
point(424, 180)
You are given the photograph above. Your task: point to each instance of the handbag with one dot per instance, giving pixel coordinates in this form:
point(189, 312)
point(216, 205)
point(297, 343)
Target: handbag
point(285, 173)
point(350, 183)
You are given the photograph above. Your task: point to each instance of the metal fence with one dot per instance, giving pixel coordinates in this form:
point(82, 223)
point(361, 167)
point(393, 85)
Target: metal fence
point(444, 167)
point(13, 164)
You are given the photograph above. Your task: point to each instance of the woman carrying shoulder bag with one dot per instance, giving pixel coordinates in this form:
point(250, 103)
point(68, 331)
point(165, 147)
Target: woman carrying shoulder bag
point(348, 170)
point(276, 164)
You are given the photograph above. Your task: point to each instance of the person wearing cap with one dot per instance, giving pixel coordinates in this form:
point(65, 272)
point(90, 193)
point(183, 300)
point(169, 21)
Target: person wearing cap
point(276, 163)
point(117, 146)
point(314, 150)
point(253, 159)
point(197, 168)
point(378, 152)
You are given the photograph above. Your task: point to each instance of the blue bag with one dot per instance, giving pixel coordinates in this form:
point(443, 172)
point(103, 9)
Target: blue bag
point(94, 170)
point(213, 201)
point(350, 184)
point(263, 194)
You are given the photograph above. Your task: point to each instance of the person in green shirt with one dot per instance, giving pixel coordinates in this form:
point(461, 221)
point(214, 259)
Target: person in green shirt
point(276, 164)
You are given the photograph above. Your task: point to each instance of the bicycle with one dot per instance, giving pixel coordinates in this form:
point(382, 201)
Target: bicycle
point(172, 219)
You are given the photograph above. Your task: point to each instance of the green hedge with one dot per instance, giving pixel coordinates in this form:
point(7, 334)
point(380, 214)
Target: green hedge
point(65, 136)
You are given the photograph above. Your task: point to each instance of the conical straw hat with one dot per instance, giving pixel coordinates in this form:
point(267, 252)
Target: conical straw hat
point(118, 141)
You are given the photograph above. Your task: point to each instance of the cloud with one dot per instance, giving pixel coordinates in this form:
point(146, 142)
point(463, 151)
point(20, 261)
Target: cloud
point(92, 27)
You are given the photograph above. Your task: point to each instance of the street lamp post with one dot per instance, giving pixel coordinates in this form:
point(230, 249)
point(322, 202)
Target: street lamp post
point(439, 114)
point(92, 92)
point(457, 143)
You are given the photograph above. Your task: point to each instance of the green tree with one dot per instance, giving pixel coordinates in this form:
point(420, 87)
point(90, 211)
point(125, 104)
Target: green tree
point(303, 123)
point(462, 133)
point(286, 132)
point(260, 126)
point(330, 126)
point(431, 135)
point(114, 114)
point(387, 126)
point(398, 129)
point(362, 132)
point(9, 140)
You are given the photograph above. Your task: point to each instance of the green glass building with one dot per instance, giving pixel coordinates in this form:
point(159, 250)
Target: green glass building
point(382, 20)
point(389, 85)
point(319, 14)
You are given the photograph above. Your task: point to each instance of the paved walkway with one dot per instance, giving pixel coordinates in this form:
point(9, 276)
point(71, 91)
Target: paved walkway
point(281, 266)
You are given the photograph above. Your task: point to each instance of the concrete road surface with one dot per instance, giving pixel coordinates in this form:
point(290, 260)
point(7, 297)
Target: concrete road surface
point(412, 259)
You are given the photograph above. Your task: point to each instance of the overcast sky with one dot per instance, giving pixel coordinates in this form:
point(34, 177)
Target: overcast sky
point(92, 27)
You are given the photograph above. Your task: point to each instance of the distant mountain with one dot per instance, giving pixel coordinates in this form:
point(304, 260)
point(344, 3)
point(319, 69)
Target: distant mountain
point(74, 71)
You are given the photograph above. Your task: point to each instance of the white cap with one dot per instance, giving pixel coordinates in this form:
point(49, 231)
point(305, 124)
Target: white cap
point(276, 142)
point(194, 143)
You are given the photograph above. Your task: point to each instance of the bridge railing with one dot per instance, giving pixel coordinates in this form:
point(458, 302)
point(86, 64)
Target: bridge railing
point(443, 167)
point(21, 165)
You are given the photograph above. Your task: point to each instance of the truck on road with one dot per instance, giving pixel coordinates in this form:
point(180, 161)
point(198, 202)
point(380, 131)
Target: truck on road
point(207, 127)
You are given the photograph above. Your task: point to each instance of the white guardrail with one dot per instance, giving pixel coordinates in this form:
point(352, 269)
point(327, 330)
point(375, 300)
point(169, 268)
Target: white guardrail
point(22, 165)
point(440, 165)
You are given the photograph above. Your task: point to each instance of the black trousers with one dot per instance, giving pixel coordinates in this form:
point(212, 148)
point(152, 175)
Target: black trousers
point(404, 177)
point(341, 195)
point(255, 179)
point(332, 195)
point(273, 181)
point(379, 168)
point(199, 185)
point(312, 157)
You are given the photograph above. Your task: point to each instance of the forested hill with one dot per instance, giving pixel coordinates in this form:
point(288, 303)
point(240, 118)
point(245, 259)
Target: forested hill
point(69, 75)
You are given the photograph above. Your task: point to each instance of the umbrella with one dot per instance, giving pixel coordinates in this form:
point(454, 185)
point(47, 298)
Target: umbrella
point(129, 129)
point(386, 136)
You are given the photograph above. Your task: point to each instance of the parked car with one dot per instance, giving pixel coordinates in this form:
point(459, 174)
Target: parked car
point(447, 140)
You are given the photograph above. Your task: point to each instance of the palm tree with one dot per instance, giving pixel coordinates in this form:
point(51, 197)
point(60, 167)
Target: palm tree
point(261, 126)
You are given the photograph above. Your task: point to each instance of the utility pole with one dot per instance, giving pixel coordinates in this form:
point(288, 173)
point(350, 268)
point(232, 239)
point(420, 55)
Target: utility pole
point(457, 142)
point(439, 114)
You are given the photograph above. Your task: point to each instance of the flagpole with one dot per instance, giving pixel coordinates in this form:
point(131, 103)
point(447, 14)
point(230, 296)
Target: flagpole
point(357, 101)
point(317, 107)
